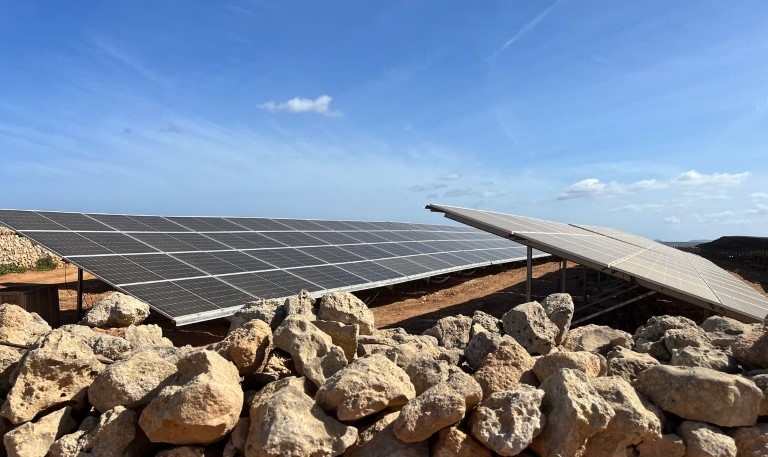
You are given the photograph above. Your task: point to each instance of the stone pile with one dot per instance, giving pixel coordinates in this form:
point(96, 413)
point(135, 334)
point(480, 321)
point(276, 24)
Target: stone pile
point(20, 251)
point(316, 378)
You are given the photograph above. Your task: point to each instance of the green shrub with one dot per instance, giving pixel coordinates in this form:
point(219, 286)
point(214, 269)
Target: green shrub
point(45, 263)
point(6, 268)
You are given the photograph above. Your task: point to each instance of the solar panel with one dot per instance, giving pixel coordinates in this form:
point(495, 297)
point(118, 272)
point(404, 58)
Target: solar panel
point(650, 264)
point(197, 268)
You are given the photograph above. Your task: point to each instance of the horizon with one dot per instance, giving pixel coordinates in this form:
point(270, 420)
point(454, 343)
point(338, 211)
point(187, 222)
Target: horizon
point(650, 118)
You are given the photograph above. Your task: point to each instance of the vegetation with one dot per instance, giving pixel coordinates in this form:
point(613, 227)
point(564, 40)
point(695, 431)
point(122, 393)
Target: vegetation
point(43, 264)
point(6, 268)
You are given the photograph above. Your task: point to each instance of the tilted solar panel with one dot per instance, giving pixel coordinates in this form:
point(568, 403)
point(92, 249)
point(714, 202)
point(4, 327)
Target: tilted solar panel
point(198, 268)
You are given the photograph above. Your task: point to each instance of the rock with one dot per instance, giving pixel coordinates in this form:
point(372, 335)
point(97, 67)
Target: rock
point(722, 324)
point(34, 439)
point(236, 445)
point(451, 331)
point(279, 365)
point(559, 308)
point(505, 368)
point(183, 451)
point(342, 335)
point(9, 360)
point(529, 325)
point(649, 338)
point(425, 373)
point(596, 338)
point(287, 422)
point(704, 357)
point(111, 435)
point(548, 365)
point(679, 338)
point(702, 394)
point(669, 445)
point(270, 311)
point(132, 382)
point(751, 441)
point(466, 386)
point(485, 322)
point(452, 442)
point(346, 308)
point(247, 346)
point(628, 363)
point(761, 381)
point(705, 440)
point(303, 304)
point(378, 440)
point(313, 352)
point(751, 348)
point(453, 356)
point(575, 412)
point(507, 422)
point(200, 406)
point(438, 407)
point(116, 310)
point(632, 424)
point(18, 326)
point(110, 346)
point(146, 336)
point(364, 387)
point(479, 347)
point(57, 372)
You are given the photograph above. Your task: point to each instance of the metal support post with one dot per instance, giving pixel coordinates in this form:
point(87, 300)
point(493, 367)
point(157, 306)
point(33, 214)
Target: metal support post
point(529, 274)
point(584, 285)
point(79, 293)
point(563, 268)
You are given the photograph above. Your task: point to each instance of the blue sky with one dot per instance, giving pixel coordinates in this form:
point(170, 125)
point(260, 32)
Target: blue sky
point(649, 116)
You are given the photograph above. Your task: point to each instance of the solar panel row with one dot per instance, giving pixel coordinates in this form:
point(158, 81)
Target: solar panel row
point(195, 268)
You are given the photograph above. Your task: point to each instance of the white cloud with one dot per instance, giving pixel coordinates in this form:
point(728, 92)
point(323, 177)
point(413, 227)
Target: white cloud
point(672, 220)
point(639, 207)
point(715, 218)
point(320, 105)
point(758, 195)
point(758, 209)
point(451, 177)
point(590, 187)
point(694, 178)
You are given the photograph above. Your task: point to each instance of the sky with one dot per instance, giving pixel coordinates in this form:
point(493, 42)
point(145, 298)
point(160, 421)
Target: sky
point(650, 117)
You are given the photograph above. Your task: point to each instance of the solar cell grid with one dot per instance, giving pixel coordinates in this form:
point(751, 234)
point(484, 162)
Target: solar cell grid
point(121, 223)
point(285, 258)
point(170, 299)
point(69, 243)
point(118, 243)
point(199, 242)
point(370, 271)
point(160, 224)
point(163, 242)
point(166, 266)
point(258, 224)
point(119, 269)
point(215, 291)
point(302, 225)
point(403, 266)
point(331, 254)
point(327, 276)
point(242, 260)
point(335, 238)
point(295, 239)
point(367, 251)
point(74, 221)
point(208, 263)
point(27, 220)
point(257, 285)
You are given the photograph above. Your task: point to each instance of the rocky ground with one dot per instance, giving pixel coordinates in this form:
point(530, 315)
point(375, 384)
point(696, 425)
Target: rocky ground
point(317, 378)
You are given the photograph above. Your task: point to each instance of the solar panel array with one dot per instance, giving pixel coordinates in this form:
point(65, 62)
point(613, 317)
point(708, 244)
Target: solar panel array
point(198, 268)
point(653, 265)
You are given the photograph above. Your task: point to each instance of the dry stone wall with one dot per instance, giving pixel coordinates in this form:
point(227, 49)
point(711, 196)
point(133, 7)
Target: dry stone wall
point(20, 251)
point(319, 379)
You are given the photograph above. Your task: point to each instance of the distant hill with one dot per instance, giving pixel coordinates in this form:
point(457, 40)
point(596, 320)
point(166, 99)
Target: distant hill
point(684, 244)
point(736, 243)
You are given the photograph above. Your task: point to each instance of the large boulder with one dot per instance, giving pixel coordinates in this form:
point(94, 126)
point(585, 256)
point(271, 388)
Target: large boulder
point(632, 424)
point(505, 368)
point(679, 338)
point(312, 350)
point(342, 335)
point(707, 357)
point(378, 440)
point(18, 326)
point(549, 364)
point(438, 407)
point(9, 360)
point(236, 444)
point(479, 347)
point(57, 372)
point(34, 439)
point(346, 308)
point(116, 310)
point(649, 338)
point(247, 346)
point(270, 311)
point(761, 381)
point(575, 412)
point(132, 382)
point(148, 336)
point(302, 303)
point(200, 406)
point(702, 394)
point(425, 373)
point(751, 441)
point(529, 325)
point(628, 363)
point(751, 348)
point(559, 308)
point(112, 434)
point(452, 442)
point(466, 386)
point(669, 445)
point(112, 347)
point(484, 322)
point(364, 387)
point(451, 331)
point(285, 421)
point(599, 339)
point(507, 422)
point(724, 325)
point(705, 440)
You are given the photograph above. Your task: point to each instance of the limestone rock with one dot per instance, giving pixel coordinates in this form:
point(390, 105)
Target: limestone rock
point(378, 440)
point(479, 347)
point(131, 382)
point(346, 308)
point(438, 407)
point(751, 441)
point(575, 412)
point(111, 435)
point(702, 394)
point(183, 451)
point(451, 331)
point(342, 335)
point(482, 321)
point(200, 406)
point(649, 338)
point(548, 365)
point(559, 308)
point(364, 387)
point(507, 422)
point(9, 360)
point(704, 357)
point(425, 373)
point(270, 311)
point(286, 422)
point(236, 445)
point(302, 303)
point(632, 424)
point(57, 372)
point(751, 348)
point(18, 326)
point(116, 310)
point(247, 346)
point(669, 445)
point(705, 440)
point(34, 439)
point(452, 442)
point(146, 336)
point(505, 368)
point(529, 325)
point(313, 352)
point(596, 338)
point(628, 363)
point(761, 381)
point(466, 386)
point(726, 325)
point(104, 345)
point(679, 338)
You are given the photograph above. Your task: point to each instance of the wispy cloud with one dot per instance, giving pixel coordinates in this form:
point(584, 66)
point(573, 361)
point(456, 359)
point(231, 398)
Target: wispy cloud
point(758, 210)
point(127, 60)
point(472, 192)
point(758, 195)
point(450, 177)
point(427, 187)
point(671, 220)
point(320, 105)
point(694, 178)
point(527, 27)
